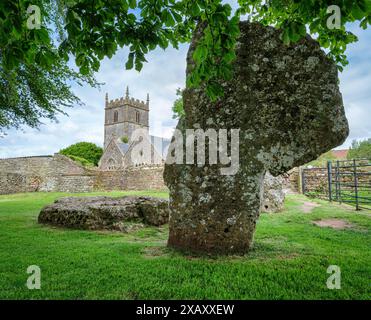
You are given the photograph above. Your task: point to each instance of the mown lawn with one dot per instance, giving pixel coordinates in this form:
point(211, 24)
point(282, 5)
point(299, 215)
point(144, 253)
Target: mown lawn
point(289, 259)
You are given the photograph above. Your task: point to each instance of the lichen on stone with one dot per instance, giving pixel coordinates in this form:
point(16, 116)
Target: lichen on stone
point(285, 100)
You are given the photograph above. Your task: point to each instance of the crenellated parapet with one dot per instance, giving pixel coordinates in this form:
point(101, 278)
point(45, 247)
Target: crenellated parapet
point(127, 100)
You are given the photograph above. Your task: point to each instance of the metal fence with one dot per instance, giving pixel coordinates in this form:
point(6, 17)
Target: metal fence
point(344, 181)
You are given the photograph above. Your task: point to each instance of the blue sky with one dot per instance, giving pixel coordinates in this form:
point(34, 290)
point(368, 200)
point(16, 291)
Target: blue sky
point(160, 77)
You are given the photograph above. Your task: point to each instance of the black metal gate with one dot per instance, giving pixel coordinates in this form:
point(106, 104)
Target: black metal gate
point(344, 181)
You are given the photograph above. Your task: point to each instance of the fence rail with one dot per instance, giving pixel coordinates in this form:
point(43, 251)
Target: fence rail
point(344, 181)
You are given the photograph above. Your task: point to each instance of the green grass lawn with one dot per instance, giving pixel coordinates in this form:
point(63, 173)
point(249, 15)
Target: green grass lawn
point(289, 259)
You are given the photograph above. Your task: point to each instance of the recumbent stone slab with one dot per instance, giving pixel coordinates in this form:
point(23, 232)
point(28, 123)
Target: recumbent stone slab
point(110, 213)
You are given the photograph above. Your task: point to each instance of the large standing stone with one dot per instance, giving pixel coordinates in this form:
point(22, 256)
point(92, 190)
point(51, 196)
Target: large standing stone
point(286, 102)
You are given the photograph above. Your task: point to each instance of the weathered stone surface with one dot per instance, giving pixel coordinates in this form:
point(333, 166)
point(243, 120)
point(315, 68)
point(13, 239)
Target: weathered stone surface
point(94, 213)
point(286, 102)
point(274, 195)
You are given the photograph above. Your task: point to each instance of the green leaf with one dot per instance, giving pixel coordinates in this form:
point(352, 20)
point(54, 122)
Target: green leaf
point(357, 13)
point(129, 63)
point(163, 42)
point(195, 10)
point(293, 32)
point(229, 56)
point(368, 6)
point(167, 18)
point(314, 25)
point(80, 59)
point(138, 64)
point(177, 17)
point(302, 30)
point(324, 42)
point(363, 24)
point(131, 18)
point(84, 70)
point(96, 65)
point(214, 91)
point(42, 35)
point(10, 62)
point(132, 4)
point(200, 53)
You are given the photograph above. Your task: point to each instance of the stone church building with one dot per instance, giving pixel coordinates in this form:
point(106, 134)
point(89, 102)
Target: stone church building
point(127, 142)
point(132, 158)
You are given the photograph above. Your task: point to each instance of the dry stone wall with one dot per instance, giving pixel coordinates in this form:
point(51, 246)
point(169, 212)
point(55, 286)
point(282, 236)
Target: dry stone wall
point(142, 178)
point(58, 173)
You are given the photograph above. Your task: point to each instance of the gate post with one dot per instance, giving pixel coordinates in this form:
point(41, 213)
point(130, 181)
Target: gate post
point(329, 178)
point(303, 180)
point(338, 195)
point(355, 183)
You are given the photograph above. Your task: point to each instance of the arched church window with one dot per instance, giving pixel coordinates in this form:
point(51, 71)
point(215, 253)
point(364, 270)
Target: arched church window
point(115, 116)
point(137, 116)
point(111, 164)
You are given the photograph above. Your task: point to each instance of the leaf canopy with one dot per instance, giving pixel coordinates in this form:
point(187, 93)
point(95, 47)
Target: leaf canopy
point(87, 31)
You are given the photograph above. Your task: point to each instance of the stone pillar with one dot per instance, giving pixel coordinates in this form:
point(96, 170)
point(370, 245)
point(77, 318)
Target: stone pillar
point(286, 104)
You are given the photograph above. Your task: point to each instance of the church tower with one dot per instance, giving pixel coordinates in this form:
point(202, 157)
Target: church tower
point(123, 116)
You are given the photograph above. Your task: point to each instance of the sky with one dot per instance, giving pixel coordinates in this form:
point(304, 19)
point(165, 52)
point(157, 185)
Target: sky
point(160, 77)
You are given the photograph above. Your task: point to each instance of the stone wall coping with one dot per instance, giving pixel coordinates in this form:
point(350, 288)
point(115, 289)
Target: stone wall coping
point(27, 157)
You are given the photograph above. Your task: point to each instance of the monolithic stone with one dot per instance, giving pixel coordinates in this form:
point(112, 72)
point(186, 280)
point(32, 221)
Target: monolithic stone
point(94, 213)
point(274, 195)
point(286, 102)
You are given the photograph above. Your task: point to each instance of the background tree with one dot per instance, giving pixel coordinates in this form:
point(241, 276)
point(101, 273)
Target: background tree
point(178, 110)
point(88, 31)
point(124, 139)
point(322, 159)
point(360, 149)
point(87, 151)
point(35, 80)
